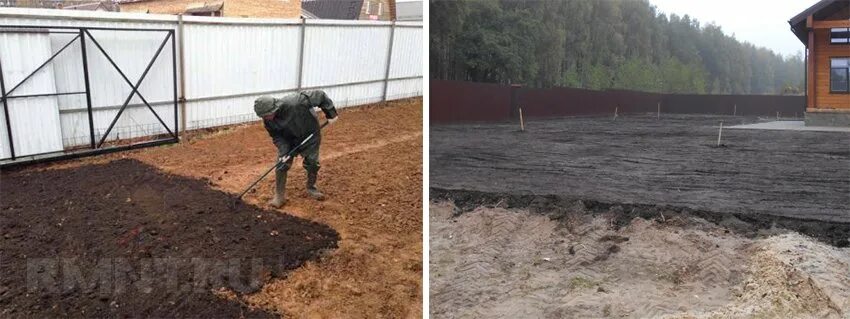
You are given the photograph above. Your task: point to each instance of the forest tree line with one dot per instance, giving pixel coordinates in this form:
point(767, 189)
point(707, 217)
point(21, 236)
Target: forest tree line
point(604, 44)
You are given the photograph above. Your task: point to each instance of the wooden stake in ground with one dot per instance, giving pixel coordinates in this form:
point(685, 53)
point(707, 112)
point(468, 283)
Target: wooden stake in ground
point(719, 133)
point(615, 112)
point(521, 123)
point(735, 110)
point(658, 117)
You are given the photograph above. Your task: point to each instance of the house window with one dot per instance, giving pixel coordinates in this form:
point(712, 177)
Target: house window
point(839, 36)
point(380, 8)
point(368, 6)
point(839, 75)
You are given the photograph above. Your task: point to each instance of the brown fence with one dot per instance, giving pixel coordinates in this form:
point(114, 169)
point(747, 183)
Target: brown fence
point(784, 105)
point(455, 101)
point(469, 102)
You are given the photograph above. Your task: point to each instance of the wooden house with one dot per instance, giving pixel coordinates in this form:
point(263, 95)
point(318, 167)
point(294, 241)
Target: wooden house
point(824, 28)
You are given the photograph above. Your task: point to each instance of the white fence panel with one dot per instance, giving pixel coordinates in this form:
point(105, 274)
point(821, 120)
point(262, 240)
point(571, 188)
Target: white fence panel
point(402, 89)
point(34, 121)
point(337, 54)
point(228, 62)
point(347, 54)
point(407, 52)
point(218, 112)
point(238, 60)
point(350, 95)
point(130, 50)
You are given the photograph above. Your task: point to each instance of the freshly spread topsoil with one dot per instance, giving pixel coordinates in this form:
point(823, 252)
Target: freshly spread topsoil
point(122, 239)
point(640, 159)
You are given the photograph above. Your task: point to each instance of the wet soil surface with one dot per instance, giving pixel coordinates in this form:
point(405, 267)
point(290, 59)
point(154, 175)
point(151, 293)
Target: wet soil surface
point(124, 239)
point(638, 159)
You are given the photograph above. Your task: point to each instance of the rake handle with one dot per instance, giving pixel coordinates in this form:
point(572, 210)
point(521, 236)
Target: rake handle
point(282, 160)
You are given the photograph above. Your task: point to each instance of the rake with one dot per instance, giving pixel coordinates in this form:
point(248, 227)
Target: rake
point(281, 161)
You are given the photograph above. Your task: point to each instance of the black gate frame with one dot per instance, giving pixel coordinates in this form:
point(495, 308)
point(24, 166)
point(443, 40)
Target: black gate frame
point(94, 147)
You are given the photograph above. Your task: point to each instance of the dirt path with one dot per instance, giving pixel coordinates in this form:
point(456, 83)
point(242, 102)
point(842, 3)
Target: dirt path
point(639, 159)
point(372, 174)
point(493, 262)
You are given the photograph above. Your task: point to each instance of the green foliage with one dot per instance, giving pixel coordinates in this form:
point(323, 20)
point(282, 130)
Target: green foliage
point(682, 78)
point(638, 74)
point(597, 77)
point(622, 44)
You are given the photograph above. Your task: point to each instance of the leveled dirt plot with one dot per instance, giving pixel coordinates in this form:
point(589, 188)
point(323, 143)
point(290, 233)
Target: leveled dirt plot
point(372, 174)
point(143, 242)
point(638, 159)
point(571, 259)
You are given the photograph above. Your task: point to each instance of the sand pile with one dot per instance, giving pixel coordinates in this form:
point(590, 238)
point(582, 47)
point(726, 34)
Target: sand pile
point(495, 262)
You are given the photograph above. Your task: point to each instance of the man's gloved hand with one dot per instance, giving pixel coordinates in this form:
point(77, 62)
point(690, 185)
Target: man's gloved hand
point(332, 120)
point(283, 159)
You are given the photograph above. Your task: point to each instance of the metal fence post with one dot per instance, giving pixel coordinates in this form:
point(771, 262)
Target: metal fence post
point(301, 54)
point(389, 61)
point(174, 79)
point(6, 112)
point(88, 88)
point(182, 69)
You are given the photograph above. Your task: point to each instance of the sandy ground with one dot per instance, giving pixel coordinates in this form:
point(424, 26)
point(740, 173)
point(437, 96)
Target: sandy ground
point(372, 173)
point(493, 262)
point(640, 159)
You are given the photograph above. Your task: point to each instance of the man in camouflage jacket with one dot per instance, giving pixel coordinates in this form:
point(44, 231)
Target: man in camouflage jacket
point(289, 120)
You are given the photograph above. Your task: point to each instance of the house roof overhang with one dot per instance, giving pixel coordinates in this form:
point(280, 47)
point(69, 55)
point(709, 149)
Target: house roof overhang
point(307, 14)
point(332, 9)
point(818, 11)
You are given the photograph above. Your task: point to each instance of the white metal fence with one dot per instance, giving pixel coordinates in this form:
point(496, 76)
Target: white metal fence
point(225, 64)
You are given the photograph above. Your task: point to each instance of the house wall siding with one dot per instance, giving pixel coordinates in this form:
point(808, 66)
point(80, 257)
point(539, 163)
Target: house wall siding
point(157, 6)
point(263, 8)
point(232, 8)
point(823, 51)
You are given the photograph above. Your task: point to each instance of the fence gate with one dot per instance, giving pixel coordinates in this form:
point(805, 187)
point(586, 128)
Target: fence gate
point(76, 91)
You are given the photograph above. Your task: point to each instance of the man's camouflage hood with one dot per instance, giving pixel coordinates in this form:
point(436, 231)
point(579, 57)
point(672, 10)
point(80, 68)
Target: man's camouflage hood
point(264, 106)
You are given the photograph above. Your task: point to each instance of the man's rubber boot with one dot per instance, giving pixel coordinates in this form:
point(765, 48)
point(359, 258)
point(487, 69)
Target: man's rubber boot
point(279, 189)
point(311, 186)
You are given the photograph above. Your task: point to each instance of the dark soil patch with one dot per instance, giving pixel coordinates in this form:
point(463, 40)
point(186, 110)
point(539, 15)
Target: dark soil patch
point(639, 159)
point(560, 207)
point(124, 240)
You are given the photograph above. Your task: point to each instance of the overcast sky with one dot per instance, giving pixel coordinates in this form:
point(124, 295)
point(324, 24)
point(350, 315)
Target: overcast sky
point(761, 22)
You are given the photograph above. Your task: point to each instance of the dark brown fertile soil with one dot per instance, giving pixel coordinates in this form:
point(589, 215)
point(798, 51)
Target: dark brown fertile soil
point(123, 239)
point(641, 159)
